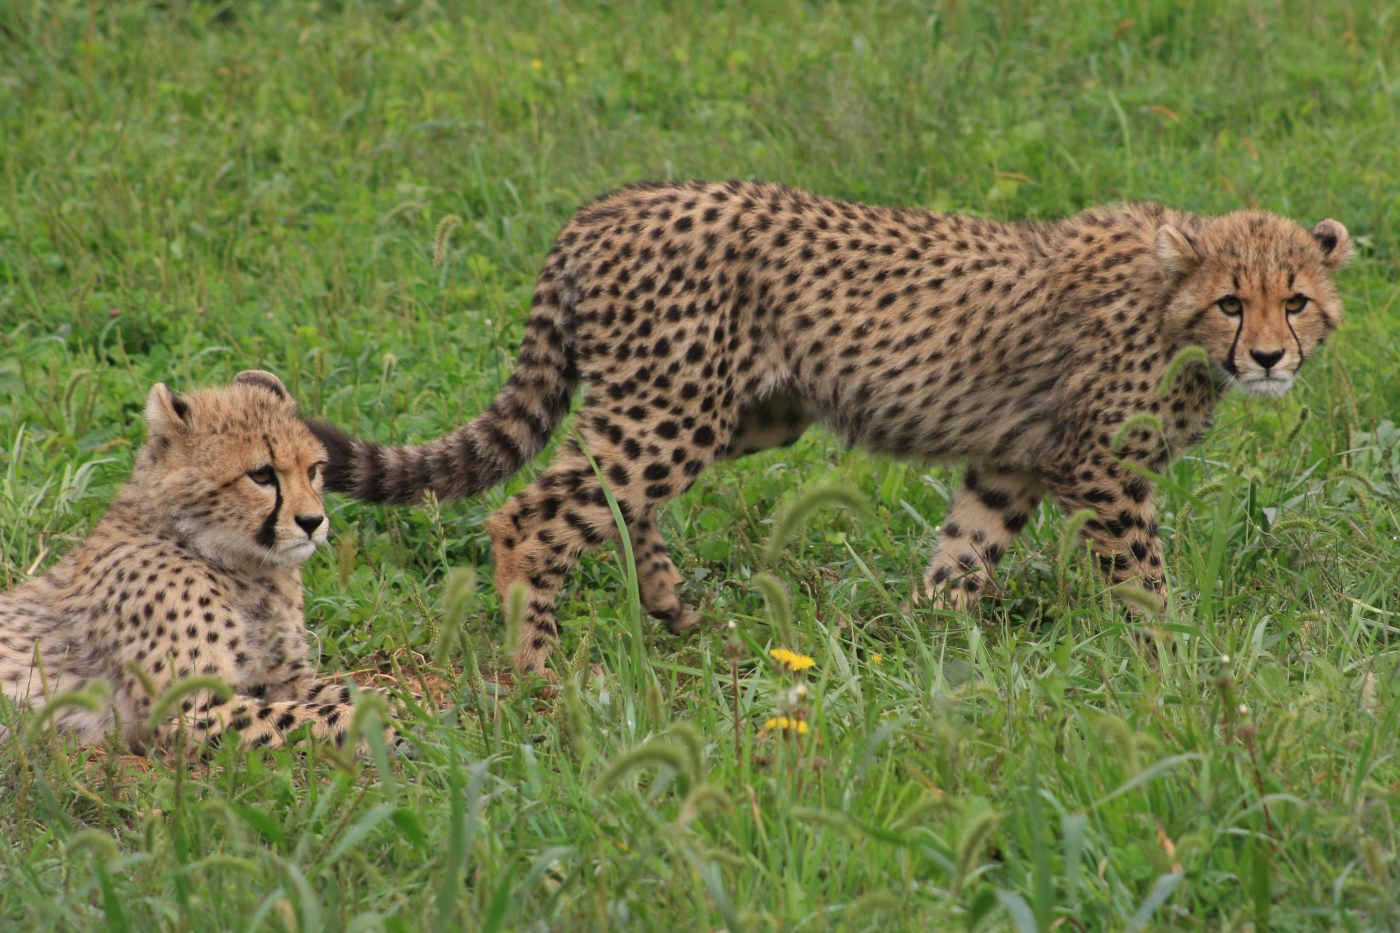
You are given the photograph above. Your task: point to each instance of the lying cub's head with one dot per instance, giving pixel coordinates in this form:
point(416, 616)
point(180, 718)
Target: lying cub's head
point(236, 470)
point(1254, 290)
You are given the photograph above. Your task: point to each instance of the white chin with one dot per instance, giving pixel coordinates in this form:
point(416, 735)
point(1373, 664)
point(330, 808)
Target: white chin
point(236, 548)
point(1263, 386)
point(296, 553)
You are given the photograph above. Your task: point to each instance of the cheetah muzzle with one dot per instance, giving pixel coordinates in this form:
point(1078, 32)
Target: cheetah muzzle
point(713, 320)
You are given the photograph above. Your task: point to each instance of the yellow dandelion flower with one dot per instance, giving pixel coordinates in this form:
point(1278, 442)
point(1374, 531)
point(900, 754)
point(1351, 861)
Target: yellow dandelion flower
point(787, 724)
point(877, 659)
point(791, 659)
point(536, 64)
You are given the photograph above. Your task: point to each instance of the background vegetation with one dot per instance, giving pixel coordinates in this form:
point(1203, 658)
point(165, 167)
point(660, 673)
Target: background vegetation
point(188, 189)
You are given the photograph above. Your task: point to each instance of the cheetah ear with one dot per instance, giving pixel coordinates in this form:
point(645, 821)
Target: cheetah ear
point(263, 380)
point(1335, 243)
point(167, 414)
point(1177, 256)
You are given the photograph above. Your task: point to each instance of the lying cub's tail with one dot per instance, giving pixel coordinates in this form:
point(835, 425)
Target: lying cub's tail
point(490, 448)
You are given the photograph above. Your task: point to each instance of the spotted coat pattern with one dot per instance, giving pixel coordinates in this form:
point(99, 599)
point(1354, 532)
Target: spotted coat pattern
point(194, 570)
point(711, 320)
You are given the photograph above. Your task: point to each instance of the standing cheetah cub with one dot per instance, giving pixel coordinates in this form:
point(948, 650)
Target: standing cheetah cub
point(194, 570)
point(714, 320)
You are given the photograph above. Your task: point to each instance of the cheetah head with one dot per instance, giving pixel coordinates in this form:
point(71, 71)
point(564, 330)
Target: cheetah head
point(1255, 290)
point(236, 471)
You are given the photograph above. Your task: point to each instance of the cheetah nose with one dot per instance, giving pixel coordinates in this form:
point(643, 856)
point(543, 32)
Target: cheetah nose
point(1266, 359)
point(309, 523)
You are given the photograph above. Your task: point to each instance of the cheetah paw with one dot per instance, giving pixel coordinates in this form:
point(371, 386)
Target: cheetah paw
point(686, 618)
point(542, 683)
point(941, 597)
point(406, 743)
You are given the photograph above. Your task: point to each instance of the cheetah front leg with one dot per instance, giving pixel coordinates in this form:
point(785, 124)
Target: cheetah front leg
point(657, 576)
point(261, 724)
point(307, 689)
point(285, 702)
point(1123, 533)
point(990, 507)
point(289, 675)
point(537, 537)
point(324, 693)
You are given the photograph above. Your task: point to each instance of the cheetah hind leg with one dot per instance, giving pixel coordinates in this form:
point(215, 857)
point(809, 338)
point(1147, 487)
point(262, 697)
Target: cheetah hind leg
point(536, 539)
point(989, 509)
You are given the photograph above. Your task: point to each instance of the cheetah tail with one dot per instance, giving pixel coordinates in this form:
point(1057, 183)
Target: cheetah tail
point(485, 451)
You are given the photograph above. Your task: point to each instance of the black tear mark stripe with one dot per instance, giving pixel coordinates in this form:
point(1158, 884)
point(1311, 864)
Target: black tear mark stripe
point(1234, 344)
point(267, 534)
point(1302, 357)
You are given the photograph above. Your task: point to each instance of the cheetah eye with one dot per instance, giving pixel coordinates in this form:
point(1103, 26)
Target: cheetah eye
point(1296, 304)
point(263, 476)
point(314, 472)
point(1230, 306)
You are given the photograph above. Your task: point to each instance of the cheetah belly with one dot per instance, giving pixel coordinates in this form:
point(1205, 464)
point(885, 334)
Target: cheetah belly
point(776, 421)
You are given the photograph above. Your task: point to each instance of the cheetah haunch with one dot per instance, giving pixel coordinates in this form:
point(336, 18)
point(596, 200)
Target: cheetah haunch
point(194, 570)
point(714, 320)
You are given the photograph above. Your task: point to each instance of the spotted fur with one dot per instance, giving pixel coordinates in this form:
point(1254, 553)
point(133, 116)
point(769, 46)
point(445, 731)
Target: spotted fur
point(194, 570)
point(711, 320)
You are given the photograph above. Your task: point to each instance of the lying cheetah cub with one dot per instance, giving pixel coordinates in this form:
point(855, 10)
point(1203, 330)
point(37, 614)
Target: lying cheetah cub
point(193, 570)
point(713, 320)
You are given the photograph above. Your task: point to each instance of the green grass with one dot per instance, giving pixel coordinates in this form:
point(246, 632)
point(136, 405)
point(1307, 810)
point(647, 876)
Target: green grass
point(188, 189)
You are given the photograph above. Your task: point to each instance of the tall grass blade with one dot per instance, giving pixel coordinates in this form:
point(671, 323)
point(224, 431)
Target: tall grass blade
point(461, 829)
point(1069, 536)
point(459, 589)
point(714, 885)
point(1042, 885)
point(1146, 775)
point(641, 664)
point(1020, 911)
point(1162, 889)
point(802, 507)
point(779, 610)
point(1187, 356)
point(1072, 827)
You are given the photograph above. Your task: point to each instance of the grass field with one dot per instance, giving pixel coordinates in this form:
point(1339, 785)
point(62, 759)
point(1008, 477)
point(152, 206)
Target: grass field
point(188, 189)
